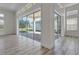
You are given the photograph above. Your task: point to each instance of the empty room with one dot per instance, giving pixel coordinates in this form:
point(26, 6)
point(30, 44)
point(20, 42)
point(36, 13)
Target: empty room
point(39, 28)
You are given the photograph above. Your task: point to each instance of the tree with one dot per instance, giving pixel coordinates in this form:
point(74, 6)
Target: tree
point(23, 23)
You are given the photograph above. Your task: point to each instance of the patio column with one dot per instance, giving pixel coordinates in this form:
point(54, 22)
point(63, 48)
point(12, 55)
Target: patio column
point(47, 35)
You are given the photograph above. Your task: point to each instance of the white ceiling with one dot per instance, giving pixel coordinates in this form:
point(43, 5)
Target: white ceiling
point(12, 6)
point(17, 6)
point(63, 5)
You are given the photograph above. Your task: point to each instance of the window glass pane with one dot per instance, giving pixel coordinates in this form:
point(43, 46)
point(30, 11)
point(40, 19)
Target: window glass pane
point(57, 23)
point(72, 24)
point(73, 12)
point(30, 22)
point(22, 24)
point(37, 21)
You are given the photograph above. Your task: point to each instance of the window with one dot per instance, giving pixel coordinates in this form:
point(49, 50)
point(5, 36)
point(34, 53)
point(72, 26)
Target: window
point(1, 22)
point(2, 15)
point(72, 24)
point(30, 23)
point(73, 12)
point(37, 21)
point(22, 24)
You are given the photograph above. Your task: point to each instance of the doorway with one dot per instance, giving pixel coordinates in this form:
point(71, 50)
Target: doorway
point(57, 25)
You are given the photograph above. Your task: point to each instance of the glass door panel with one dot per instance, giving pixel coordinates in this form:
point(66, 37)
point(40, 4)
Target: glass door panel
point(26, 27)
point(57, 25)
point(30, 28)
point(37, 26)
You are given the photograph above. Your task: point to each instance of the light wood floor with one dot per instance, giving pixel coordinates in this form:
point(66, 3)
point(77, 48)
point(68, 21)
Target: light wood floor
point(19, 45)
point(13, 45)
point(66, 46)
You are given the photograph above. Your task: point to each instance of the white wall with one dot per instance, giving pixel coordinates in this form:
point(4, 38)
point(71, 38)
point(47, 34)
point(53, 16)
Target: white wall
point(9, 20)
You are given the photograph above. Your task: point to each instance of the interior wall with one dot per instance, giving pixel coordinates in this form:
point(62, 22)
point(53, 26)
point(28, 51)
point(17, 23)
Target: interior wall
point(72, 32)
point(9, 21)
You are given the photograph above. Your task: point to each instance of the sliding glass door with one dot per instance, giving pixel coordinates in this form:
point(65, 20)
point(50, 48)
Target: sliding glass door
point(37, 26)
point(30, 26)
point(57, 25)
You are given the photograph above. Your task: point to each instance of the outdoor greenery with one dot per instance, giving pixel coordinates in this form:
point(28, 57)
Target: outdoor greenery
point(23, 25)
point(26, 25)
point(25, 29)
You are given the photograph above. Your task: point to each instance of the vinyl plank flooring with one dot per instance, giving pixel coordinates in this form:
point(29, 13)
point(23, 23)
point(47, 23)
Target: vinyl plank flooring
point(20, 45)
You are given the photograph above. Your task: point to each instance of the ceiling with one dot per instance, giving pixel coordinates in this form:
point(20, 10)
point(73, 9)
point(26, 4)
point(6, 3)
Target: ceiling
point(12, 6)
point(63, 5)
point(17, 6)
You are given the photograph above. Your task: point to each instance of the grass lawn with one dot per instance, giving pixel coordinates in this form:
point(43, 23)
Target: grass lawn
point(25, 29)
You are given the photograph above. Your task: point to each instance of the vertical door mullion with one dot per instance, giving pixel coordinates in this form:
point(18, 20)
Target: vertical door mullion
point(33, 28)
